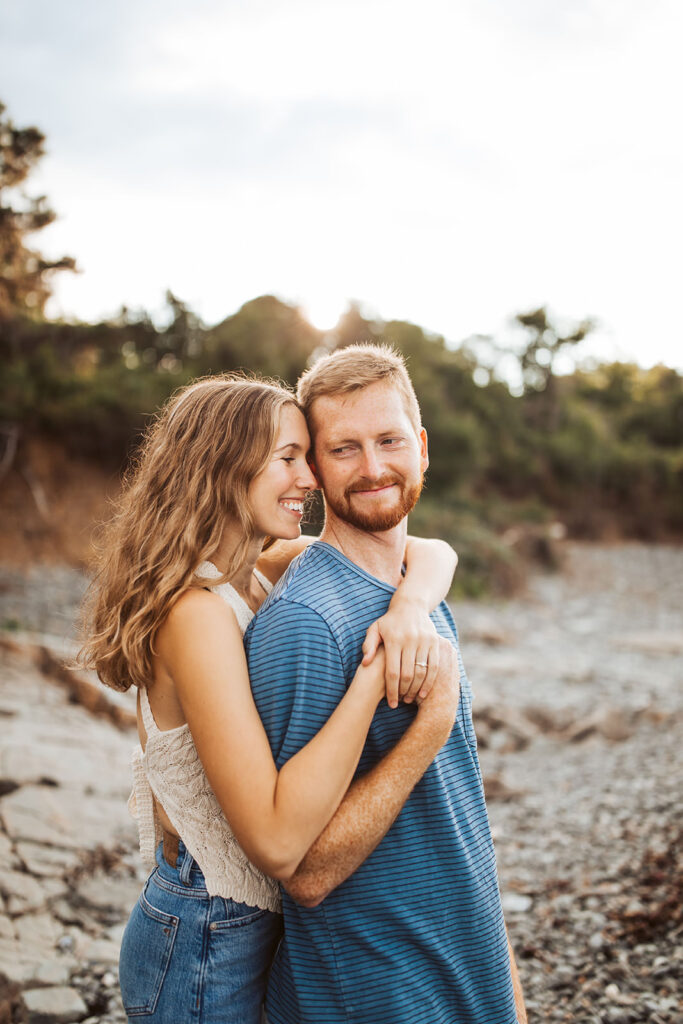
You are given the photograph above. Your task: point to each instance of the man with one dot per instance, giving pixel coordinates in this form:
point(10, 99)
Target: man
point(394, 915)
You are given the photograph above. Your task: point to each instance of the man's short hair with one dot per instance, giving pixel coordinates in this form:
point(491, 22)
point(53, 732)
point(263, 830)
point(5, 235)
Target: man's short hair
point(353, 368)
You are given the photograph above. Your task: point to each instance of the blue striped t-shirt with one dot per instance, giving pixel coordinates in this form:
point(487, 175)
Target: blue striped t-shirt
point(416, 934)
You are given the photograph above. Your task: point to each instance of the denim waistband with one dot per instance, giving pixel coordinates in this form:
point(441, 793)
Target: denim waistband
point(186, 873)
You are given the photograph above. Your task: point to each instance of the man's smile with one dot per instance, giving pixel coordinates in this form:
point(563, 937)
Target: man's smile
point(375, 490)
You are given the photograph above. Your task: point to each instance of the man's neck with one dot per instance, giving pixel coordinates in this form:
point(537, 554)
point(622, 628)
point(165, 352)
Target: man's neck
point(380, 554)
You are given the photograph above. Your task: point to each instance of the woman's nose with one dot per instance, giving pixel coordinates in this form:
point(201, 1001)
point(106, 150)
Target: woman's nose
point(305, 479)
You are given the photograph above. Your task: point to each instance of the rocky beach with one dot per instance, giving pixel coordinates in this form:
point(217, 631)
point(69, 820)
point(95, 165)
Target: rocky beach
point(578, 709)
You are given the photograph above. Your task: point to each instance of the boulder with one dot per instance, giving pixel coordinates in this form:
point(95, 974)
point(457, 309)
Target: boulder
point(55, 1005)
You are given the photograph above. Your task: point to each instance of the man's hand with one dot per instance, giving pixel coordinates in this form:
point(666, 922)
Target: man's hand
point(412, 650)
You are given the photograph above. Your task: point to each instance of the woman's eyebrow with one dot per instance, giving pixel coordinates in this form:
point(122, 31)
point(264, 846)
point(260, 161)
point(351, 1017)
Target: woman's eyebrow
point(291, 444)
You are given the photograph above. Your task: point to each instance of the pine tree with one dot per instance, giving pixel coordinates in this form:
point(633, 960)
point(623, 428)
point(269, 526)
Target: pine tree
point(24, 271)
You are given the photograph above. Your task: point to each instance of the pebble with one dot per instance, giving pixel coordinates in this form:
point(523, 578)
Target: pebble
point(515, 903)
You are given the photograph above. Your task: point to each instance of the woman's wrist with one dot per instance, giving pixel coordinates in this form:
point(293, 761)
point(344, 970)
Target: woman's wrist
point(408, 596)
point(369, 679)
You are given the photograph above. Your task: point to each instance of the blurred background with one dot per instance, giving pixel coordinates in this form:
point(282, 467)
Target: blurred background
point(493, 188)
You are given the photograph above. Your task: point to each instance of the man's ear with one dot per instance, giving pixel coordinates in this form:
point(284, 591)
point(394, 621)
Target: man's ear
point(424, 452)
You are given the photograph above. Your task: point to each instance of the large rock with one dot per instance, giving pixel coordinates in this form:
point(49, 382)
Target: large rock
point(38, 934)
point(21, 892)
point(55, 972)
point(605, 721)
point(664, 643)
point(504, 729)
point(30, 950)
point(47, 861)
point(17, 962)
point(5, 849)
point(55, 1005)
point(102, 951)
point(64, 817)
point(114, 894)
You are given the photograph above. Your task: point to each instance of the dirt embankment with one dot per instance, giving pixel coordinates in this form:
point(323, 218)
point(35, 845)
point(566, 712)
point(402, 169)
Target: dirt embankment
point(50, 503)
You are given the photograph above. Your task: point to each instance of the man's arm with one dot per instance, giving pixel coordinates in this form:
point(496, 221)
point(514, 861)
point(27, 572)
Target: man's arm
point(408, 634)
point(374, 801)
point(517, 986)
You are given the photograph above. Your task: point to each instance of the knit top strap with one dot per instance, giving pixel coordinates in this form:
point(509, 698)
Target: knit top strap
point(147, 716)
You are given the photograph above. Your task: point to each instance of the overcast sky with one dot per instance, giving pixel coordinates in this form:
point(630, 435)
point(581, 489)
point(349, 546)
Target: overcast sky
point(449, 162)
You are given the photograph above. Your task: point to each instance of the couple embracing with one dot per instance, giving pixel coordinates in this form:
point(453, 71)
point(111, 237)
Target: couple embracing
point(307, 785)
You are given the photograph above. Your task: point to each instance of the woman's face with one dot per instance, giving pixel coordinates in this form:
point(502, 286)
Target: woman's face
point(277, 494)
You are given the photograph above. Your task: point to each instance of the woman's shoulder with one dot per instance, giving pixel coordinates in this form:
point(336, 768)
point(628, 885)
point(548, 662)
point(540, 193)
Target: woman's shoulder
point(197, 610)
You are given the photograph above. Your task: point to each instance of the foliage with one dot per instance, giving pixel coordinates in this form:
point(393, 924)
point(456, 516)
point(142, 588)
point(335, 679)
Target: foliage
point(265, 335)
point(600, 449)
point(544, 343)
point(611, 465)
point(24, 272)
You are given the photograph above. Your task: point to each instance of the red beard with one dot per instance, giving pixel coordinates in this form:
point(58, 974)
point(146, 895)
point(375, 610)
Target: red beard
point(382, 519)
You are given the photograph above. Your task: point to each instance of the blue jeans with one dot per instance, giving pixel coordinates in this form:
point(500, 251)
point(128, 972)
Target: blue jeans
point(191, 958)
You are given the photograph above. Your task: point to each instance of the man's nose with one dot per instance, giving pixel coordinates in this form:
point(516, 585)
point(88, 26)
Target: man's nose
point(370, 463)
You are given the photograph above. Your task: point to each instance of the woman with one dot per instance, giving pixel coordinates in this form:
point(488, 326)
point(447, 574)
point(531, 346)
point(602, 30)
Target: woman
point(182, 572)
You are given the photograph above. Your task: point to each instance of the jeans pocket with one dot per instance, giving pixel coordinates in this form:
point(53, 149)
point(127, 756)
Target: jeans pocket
point(239, 915)
point(145, 955)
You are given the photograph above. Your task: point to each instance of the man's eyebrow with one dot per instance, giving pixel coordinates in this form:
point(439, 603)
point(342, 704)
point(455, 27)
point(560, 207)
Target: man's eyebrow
point(337, 442)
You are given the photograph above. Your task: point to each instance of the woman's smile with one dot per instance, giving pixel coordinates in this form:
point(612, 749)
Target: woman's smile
point(295, 506)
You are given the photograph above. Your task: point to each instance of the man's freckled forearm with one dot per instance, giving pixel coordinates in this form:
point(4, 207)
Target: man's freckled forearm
point(365, 816)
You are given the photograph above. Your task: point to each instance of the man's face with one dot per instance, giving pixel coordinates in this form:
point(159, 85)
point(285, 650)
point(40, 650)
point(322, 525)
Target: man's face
point(367, 456)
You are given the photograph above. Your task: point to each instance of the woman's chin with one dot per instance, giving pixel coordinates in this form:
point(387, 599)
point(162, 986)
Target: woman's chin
point(292, 532)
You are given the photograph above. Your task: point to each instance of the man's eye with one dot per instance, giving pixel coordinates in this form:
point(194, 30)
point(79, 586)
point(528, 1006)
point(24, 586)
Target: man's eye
point(391, 440)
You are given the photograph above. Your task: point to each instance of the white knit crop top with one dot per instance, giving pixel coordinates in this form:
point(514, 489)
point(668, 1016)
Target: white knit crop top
point(170, 770)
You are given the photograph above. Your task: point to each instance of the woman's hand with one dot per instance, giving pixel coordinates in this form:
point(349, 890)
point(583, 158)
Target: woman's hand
point(407, 632)
point(411, 644)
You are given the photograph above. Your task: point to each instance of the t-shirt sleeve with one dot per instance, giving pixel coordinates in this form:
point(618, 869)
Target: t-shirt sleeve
point(297, 674)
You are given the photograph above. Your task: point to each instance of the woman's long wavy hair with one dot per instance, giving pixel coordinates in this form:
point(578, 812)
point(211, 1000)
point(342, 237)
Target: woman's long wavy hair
point(192, 471)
